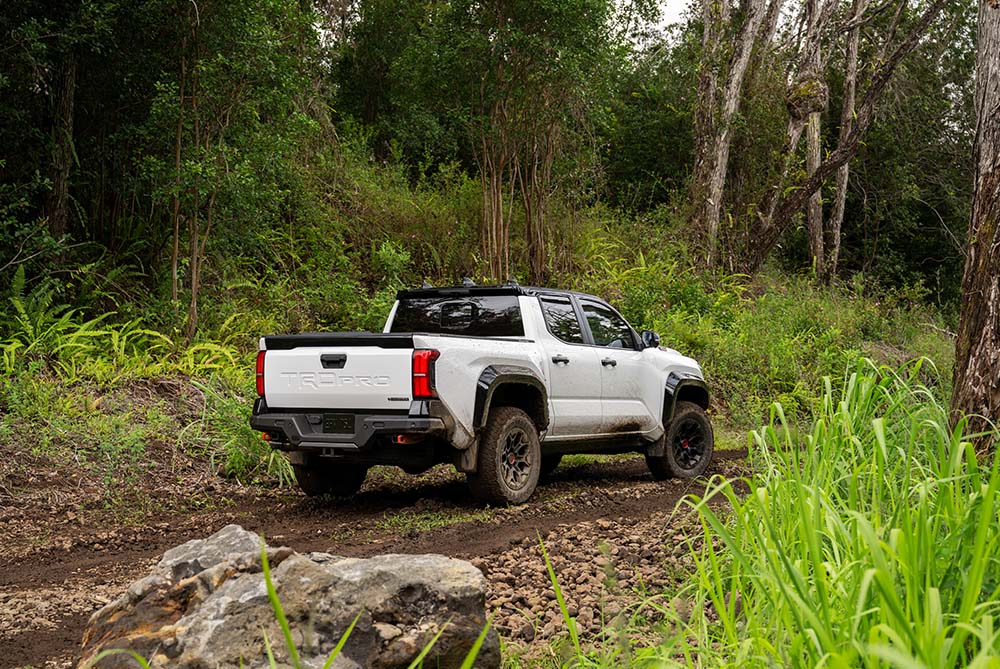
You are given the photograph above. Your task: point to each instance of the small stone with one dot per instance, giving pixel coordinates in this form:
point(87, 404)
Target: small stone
point(387, 632)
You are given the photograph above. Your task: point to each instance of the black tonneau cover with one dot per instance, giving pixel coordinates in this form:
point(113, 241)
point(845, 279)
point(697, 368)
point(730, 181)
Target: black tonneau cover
point(288, 342)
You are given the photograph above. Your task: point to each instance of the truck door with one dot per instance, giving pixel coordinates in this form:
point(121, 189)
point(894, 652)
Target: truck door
point(629, 385)
point(574, 372)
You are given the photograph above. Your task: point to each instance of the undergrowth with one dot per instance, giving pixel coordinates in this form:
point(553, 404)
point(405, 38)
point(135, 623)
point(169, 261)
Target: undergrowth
point(870, 539)
point(771, 339)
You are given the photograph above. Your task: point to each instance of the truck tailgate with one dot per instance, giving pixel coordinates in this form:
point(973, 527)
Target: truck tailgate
point(337, 375)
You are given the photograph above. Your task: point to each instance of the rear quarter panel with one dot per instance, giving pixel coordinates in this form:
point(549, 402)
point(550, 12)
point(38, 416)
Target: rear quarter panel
point(462, 361)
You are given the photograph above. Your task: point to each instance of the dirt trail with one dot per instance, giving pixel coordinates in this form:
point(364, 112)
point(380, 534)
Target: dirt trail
point(47, 593)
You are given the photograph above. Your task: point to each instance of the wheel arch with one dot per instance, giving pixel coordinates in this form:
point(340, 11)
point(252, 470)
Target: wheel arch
point(510, 385)
point(679, 388)
point(683, 388)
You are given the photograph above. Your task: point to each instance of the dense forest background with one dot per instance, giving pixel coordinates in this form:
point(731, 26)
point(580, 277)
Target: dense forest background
point(777, 187)
point(161, 156)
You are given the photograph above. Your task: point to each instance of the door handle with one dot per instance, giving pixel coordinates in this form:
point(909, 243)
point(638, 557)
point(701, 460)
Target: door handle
point(560, 359)
point(609, 362)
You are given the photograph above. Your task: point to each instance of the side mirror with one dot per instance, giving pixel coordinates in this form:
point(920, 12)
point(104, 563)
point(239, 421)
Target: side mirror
point(650, 339)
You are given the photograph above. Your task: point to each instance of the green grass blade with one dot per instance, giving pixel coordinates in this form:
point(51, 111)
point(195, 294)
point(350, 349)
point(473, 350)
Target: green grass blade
point(470, 657)
point(340, 644)
point(279, 612)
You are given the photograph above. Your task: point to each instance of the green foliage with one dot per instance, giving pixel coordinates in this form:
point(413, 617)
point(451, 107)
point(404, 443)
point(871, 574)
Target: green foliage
point(237, 449)
point(764, 340)
point(871, 540)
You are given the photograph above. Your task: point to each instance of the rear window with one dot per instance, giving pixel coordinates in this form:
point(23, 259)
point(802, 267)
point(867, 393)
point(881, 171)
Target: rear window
point(471, 316)
point(561, 320)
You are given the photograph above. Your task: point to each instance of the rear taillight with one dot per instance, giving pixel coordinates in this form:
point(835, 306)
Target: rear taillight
point(423, 373)
point(260, 373)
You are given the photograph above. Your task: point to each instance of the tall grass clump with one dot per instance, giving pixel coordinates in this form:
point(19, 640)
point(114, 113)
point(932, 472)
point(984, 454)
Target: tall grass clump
point(872, 540)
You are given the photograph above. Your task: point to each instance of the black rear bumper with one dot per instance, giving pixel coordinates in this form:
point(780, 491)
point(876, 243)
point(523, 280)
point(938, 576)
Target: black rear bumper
point(300, 430)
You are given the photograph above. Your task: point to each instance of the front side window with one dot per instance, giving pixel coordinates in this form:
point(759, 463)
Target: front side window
point(560, 319)
point(608, 328)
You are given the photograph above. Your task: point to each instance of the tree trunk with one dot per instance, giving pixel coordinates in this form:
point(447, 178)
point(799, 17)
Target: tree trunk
point(836, 221)
point(807, 94)
point(57, 206)
point(711, 168)
point(495, 161)
point(774, 224)
point(977, 348)
point(814, 210)
point(706, 109)
point(177, 176)
point(194, 223)
point(534, 176)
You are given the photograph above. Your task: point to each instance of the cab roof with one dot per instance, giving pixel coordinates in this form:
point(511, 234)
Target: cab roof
point(473, 290)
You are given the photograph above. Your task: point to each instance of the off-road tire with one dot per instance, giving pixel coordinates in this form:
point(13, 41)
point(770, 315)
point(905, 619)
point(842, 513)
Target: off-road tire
point(549, 464)
point(509, 432)
point(682, 457)
point(337, 479)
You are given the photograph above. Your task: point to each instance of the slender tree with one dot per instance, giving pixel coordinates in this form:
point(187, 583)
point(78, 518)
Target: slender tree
point(831, 231)
point(716, 110)
point(805, 98)
point(814, 148)
point(977, 348)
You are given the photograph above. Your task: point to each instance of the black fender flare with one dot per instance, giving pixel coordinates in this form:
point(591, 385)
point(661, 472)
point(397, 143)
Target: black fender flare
point(675, 384)
point(496, 376)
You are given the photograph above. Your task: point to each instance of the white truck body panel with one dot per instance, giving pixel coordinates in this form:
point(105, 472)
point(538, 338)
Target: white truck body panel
point(460, 365)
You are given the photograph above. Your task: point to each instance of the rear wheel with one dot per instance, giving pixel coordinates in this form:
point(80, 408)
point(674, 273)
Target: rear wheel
point(510, 458)
point(338, 479)
point(688, 445)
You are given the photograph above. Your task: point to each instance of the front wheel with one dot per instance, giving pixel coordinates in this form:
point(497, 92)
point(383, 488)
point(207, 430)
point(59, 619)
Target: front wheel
point(339, 479)
point(688, 445)
point(510, 459)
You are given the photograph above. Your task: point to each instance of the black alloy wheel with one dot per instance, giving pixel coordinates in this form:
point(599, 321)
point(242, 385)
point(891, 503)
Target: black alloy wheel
point(510, 458)
point(688, 445)
point(516, 459)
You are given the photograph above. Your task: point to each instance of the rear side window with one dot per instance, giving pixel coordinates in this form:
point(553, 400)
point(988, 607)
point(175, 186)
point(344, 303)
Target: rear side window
point(561, 320)
point(470, 316)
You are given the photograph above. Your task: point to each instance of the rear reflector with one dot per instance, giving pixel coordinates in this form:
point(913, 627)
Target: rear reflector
point(260, 373)
point(423, 373)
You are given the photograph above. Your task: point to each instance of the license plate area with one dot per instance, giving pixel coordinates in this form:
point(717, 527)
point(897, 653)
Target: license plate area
point(338, 423)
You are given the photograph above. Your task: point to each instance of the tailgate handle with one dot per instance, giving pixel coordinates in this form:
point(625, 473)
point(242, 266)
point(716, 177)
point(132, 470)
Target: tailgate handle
point(333, 360)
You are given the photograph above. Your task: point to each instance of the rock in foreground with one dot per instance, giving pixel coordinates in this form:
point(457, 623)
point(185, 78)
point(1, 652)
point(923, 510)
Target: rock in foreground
point(205, 605)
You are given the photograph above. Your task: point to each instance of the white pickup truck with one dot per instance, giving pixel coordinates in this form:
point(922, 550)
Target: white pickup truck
point(500, 380)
